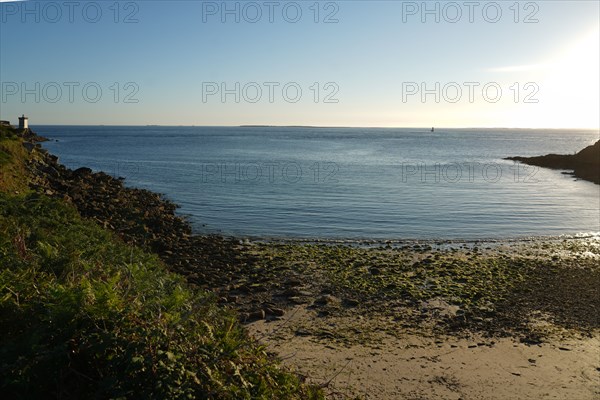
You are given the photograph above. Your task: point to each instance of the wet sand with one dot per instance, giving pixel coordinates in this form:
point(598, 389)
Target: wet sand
point(416, 366)
point(511, 321)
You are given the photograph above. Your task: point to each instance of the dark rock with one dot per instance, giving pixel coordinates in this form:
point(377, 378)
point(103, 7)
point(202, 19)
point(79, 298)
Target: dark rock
point(351, 302)
point(256, 315)
point(302, 332)
point(293, 282)
point(278, 312)
point(51, 171)
point(326, 300)
point(29, 146)
point(291, 292)
point(79, 172)
point(530, 340)
point(232, 299)
point(585, 164)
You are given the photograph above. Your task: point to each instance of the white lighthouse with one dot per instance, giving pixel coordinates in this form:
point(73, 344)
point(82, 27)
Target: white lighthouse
point(23, 123)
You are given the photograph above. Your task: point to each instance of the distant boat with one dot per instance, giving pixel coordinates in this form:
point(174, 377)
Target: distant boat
point(432, 129)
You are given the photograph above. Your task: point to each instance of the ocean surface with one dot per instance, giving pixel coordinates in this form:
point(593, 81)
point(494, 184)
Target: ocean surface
point(346, 183)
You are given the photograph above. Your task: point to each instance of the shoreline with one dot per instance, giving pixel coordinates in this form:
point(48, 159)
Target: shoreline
point(531, 292)
point(584, 165)
point(214, 204)
point(405, 243)
point(94, 303)
point(360, 241)
point(149, 220)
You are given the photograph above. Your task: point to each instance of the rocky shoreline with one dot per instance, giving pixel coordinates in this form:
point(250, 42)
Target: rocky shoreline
point(585, 164)
point(140, 217)
point(419, 285)
point(85, 315)
point(330, 303)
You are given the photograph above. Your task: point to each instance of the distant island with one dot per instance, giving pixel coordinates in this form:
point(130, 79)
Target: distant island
point(292, 126)
point(585, 164)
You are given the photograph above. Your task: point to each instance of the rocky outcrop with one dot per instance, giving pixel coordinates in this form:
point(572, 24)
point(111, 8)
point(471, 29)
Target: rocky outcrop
point(140, 217)
point(585, 164)
point(226, 266)
point(30, 136)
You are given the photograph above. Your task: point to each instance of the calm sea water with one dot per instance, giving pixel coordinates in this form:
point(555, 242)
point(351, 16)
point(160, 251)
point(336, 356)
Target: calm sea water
point(346, 183)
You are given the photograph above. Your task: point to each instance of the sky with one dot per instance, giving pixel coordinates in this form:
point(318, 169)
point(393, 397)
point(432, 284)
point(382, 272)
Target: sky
point(519, 64)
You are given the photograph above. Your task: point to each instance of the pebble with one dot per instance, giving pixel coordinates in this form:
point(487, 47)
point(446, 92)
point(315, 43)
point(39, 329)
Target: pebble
point(256, 315)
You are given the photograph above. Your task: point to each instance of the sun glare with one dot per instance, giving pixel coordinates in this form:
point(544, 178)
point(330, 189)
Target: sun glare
point(572, 85)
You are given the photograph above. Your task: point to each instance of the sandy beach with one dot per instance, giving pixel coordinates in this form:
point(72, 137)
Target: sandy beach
point(531, 335)
point(412, 366)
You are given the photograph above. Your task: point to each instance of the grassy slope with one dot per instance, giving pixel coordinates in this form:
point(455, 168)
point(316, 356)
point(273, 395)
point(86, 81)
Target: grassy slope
point(12, 168)
point(83, 315)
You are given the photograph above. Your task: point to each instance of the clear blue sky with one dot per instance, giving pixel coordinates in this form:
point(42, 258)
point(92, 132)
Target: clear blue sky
point(175, 57)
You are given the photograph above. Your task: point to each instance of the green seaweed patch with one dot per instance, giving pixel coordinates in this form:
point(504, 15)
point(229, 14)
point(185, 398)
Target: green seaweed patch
point(449, 290)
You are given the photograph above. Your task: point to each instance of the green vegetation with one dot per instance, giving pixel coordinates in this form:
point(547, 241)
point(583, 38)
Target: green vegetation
point(12, 161)
point(7, 132)
point(83, 315)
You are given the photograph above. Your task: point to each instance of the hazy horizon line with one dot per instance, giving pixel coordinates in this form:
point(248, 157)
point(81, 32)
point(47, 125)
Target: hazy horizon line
point(317, 126)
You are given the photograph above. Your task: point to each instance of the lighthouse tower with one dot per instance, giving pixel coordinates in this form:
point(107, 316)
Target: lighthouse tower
point(23, 123)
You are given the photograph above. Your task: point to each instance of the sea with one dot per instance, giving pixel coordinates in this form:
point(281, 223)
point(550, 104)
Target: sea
point(313, 183)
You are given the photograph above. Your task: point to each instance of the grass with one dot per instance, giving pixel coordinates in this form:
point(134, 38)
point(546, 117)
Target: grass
point(12, 162)
point(82, 315)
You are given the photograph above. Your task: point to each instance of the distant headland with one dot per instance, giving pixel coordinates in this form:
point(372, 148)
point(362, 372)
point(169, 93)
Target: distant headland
point(290, 126)
point(585, 164)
